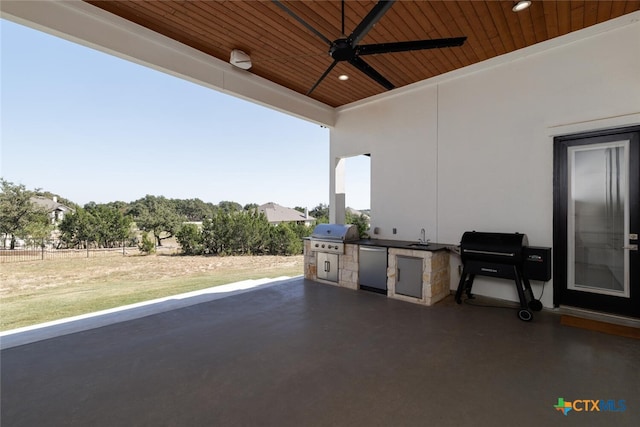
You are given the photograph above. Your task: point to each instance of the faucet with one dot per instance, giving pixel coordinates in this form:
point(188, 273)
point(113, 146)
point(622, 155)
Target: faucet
point(422, 237)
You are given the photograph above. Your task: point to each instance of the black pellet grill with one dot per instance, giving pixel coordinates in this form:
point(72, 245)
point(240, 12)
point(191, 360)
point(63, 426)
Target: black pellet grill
point(505, 256)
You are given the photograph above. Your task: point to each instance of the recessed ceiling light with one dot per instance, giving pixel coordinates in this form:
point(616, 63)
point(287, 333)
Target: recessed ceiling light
point(521, 5)
point(343, 77)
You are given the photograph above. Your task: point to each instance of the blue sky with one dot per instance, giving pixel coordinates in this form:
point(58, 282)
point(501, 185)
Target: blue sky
point(93, 127)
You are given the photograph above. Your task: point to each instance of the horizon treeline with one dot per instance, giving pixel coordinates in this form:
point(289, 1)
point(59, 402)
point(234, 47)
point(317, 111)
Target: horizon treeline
point(194, 209)
point(118, 223)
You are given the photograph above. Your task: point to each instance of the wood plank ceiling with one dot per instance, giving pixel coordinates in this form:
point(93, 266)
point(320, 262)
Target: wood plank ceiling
point(285, 52)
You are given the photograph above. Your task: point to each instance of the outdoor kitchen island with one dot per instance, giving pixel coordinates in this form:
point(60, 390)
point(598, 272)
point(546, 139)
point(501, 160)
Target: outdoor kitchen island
point(424, 267)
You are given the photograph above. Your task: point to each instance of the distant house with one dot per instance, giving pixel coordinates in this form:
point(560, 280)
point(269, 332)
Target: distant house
point(355, 212)
point(55, 210)
point(277, 214)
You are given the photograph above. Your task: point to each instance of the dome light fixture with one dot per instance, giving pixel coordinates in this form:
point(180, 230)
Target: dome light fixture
point(343, 77)
point(521, 5)
point(240, 59)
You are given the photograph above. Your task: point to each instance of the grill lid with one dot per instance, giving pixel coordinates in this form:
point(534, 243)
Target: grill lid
point(336, 232)
point(493, 247)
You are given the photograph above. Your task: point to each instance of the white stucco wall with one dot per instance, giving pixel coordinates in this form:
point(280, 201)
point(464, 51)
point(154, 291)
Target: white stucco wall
point(473, 150)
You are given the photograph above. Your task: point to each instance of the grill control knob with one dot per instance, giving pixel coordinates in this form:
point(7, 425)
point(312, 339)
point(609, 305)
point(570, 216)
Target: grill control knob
point(323, 245)
point(317, 245)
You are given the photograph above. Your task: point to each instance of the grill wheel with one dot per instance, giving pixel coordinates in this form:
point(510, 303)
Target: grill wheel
point(525, 315)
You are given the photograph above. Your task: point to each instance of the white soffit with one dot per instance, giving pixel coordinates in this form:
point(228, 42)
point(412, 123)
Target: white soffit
point(90, 26)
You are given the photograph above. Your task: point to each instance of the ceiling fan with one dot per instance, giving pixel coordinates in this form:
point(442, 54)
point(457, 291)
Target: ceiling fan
point(348, 48)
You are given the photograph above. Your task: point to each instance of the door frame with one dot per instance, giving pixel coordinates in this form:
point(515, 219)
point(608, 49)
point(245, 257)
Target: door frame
point(593, 301)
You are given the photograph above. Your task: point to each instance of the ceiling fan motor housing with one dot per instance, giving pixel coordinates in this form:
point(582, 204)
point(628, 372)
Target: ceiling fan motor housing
point(341, 50)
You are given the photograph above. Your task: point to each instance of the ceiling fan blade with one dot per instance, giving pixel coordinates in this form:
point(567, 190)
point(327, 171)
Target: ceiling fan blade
point(369, 21)
point(343, 34)
point(302, 21)
point(369, 71)
point(322, 77)
point(372, 49)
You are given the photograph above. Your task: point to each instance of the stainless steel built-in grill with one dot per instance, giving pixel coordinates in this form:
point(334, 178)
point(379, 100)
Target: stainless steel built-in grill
point(327, 241)
point(502, 255)
point(330, 238)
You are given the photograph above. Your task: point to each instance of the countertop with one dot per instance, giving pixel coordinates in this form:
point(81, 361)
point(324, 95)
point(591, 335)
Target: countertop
point(402, 244)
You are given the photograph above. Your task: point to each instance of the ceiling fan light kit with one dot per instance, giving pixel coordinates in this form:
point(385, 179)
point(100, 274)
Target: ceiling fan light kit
point(349, 50)
point(240, 59)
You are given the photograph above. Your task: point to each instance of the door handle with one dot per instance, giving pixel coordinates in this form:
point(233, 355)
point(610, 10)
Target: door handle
point(631, 247)
point(327, 266)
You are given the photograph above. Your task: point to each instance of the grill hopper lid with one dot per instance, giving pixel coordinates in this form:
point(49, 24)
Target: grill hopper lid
point(337, 232)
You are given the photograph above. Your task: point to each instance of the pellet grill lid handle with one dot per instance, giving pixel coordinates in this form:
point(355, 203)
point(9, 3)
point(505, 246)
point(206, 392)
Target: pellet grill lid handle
point(474, 251)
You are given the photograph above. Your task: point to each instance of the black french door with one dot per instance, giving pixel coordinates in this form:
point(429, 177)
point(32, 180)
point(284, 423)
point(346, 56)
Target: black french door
point(597, 221)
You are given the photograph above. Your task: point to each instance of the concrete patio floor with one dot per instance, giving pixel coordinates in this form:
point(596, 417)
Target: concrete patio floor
point(300, 353)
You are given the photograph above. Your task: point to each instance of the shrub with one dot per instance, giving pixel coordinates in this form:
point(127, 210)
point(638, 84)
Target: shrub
point(284, 241)
point(190, 239)
point(360, 221)
point(147, 246)
point(242, 233)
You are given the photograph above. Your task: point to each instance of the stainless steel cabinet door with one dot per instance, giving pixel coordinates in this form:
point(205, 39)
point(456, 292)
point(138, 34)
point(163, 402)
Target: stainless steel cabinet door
point(327, 266)
point(409, 276)
point(372, 267)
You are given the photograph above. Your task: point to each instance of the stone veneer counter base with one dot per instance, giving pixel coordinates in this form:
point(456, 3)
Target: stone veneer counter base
point(435, 268)
point(435, 275)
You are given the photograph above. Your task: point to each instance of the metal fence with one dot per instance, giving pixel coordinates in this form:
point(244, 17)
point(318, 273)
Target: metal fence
point(47, 250)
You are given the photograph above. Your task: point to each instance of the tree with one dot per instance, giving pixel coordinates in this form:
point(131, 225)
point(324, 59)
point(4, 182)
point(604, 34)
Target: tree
point(228, 207)
point(118, 205)
point(110, 226)
point(76, 229)
point(17, 212)
point(190, 239)
point(360, 221)
point(104, 225)
point(157, 215)
point(283, 240)
point(301, 230)
point(238, 233)
point(194, 209)
point(212, 230)
point(250, 232)
point(146, 246)
point(39, 227)
point(320, 213)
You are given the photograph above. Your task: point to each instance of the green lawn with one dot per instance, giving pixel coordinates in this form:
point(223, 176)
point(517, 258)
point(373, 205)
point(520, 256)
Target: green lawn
point(41, 291)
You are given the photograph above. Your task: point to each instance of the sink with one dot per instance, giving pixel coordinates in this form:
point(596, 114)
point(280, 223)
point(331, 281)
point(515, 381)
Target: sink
point(419, 245)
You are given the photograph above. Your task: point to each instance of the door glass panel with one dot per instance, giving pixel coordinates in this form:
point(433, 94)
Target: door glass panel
point(598, 218)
